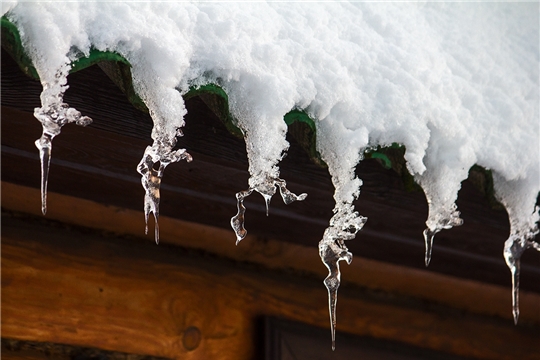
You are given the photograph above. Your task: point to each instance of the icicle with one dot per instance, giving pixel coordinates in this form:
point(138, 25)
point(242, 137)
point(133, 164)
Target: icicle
point(287, 196)
point(428, 239)
point(160, 155)
point(237, 221)
point(332, 249)
point(519, 197)
point(44, 145)
point(267, 189)
point(441, 222)
point(53, 115)
point(513, 249)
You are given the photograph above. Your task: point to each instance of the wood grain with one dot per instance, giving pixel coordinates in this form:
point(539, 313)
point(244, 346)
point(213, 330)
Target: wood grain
point(470, 296)
point(66, 286)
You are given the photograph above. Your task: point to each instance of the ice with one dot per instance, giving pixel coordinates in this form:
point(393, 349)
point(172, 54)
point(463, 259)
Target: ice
point(341, 159)
point(155, 159)
point(332, 249)
point(237, 221)
point(517, 198)
point(267, 189)
point(437, 223)
point(53, 114)
point(513, 249)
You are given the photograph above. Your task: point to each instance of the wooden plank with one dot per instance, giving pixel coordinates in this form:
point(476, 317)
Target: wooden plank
point(470, 296)
point(66, 286)
point(32, 350)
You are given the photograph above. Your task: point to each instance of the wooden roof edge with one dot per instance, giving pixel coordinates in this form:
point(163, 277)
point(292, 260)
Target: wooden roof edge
point(472, 296)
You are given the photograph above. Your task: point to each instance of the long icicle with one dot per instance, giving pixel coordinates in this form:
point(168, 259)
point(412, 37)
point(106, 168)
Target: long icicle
point(332, 252)
point(332, 249)
point(53, 115)
point(44, 145)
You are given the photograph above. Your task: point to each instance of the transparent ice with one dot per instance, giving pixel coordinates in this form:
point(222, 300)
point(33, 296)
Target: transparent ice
point(443, 220)
point(267, 189)
point(53, 114)
point(332, 249)
point(151, 167)
point(514, 247)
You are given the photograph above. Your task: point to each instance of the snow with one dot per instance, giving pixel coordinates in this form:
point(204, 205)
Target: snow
point(456, 84)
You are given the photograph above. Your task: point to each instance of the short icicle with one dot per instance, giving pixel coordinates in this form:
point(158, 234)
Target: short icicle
point(448, 221)
point(237, 221)
point(513, 249)
point(267, 190)
point(160, 156)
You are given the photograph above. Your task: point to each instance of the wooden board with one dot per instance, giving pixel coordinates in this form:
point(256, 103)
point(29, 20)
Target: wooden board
point(425, 286)
point(65, 285)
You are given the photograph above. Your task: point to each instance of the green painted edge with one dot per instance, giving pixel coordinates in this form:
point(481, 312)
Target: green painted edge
point(381, 154)
point(217, 99)
point(95, 57)
point(11, 42)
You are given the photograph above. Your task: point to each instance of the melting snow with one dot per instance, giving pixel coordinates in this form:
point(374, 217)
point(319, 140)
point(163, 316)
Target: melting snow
point(456, 84)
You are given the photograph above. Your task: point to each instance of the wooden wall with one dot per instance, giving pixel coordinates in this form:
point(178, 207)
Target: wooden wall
point(106, 289)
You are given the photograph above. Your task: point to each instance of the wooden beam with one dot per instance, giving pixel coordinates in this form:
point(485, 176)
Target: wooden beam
point(468, 295)
point(32, 350)
point(68, 286)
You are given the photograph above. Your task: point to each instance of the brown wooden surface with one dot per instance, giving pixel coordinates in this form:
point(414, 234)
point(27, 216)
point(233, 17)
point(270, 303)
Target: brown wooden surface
point(67, 285)
point(430, 287)
point(98, 163)
point(33, 350)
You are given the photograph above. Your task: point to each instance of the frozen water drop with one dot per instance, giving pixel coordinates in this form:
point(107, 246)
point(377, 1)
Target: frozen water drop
point(237, 221)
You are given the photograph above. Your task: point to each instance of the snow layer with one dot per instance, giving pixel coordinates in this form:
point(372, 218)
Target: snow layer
point(457, 84)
